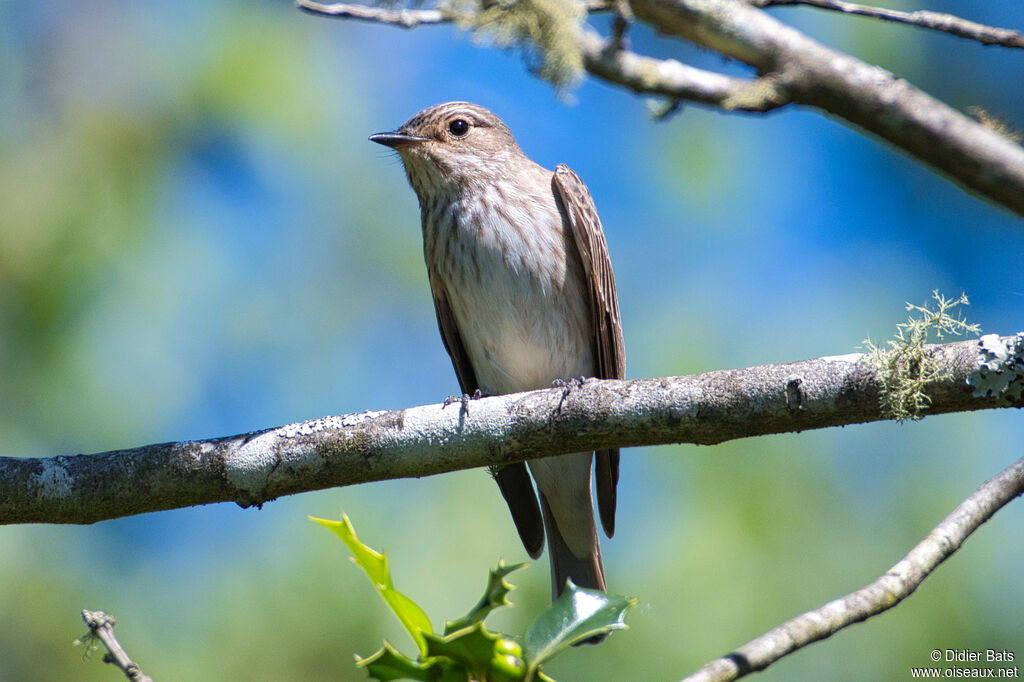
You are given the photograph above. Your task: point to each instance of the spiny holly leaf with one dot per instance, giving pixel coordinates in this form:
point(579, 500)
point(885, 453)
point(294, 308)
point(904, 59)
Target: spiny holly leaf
point(375, 565)
point(487, 656)
point(495, 596)
point(577, 614)
point(473, 647)
point(387, 665)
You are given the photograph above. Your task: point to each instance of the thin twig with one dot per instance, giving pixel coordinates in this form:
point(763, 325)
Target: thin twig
point(936, 21)
point(101, 627)
point(405, 18)
point(898, 583)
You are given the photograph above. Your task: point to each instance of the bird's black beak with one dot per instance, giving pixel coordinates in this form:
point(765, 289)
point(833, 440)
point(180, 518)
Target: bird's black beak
point(396, 140)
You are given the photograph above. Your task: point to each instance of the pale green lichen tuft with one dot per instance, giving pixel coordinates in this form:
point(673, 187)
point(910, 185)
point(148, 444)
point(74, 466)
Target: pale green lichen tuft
point(907, 367)
point(997, 123)
point(546, 30)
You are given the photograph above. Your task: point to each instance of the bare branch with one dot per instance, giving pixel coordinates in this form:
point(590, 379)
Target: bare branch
point(676, 80)
point(810, 73)
point(898, 583)
point(405, 18)
point(253, 468)
point(936, 21)
point(101, 627)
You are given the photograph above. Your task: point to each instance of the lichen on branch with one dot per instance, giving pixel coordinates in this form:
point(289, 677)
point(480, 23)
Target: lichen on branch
point(545, 30)
point(1000, 372)
point(907, 366)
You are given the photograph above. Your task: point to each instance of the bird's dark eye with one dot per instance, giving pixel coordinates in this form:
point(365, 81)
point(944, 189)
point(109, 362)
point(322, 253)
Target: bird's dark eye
point(459, 127)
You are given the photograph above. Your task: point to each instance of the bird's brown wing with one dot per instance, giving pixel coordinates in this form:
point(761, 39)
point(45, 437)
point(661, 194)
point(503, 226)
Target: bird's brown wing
point(513, 479)
point(604, 307)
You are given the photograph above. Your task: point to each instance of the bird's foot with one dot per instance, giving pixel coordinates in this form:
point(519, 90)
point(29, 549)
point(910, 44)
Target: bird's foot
point(567, 387)
point(463, 401)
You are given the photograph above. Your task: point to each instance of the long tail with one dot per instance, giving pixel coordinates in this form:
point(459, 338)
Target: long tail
point(586, 571)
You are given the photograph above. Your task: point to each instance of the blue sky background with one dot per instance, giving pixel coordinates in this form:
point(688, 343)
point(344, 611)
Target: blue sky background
point(197, 240)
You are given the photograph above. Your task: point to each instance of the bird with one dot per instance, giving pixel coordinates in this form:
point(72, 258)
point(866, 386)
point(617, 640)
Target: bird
point(525, 297)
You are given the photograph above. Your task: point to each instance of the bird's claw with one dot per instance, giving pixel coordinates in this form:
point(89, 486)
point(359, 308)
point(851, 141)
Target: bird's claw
point(567, 387)
point(463, 401)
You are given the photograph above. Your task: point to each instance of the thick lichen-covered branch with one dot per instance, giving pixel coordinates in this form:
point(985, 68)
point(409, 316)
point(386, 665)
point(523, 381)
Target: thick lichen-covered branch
point(252, 468)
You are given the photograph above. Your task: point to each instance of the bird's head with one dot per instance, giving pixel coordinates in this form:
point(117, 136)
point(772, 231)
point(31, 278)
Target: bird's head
point(451, 145)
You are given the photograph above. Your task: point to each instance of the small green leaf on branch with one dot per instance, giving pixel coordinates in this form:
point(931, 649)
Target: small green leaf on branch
point(388, 664)
point(375, 565)
point(578, 614)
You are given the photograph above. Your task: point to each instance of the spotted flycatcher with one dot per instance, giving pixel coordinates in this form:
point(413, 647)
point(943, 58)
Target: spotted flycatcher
point(524, 295)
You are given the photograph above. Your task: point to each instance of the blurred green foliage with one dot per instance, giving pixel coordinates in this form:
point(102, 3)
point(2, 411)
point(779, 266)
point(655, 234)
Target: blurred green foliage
point(196, 240)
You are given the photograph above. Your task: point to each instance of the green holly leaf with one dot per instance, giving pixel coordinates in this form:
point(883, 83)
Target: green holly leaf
point(495, 596)
point(388, 664)
point(473, 647)
point(375, 565)
point(576, 615)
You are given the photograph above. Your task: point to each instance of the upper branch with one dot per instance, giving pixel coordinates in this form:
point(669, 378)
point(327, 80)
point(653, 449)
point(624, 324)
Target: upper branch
point(793, 68)
point(936, 21)
point(870, 97)
point(252, 468)
point(406, 18)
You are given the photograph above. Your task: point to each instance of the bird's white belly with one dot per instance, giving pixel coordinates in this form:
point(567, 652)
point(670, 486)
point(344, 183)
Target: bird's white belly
point(523, 325)
point(519, 340)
